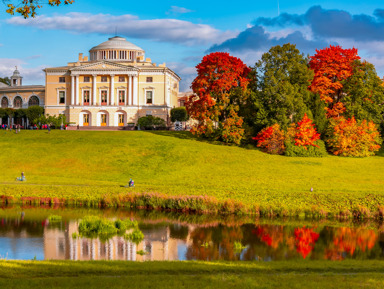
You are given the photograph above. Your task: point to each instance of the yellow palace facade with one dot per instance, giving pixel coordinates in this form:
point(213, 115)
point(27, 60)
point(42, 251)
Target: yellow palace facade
point(112, 87)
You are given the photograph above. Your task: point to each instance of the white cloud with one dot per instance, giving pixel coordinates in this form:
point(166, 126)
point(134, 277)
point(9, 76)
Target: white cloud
point(165, 30)
point(179, 10)
point(34, 75)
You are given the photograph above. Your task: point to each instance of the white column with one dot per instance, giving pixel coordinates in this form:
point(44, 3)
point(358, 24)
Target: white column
point(112, 90)
point(135, 89)
point(94, 77)
point(73, 90)
point(129, 94)
point(77, 89)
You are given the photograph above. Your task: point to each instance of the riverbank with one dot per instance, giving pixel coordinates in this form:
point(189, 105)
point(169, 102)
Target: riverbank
point(115, 274)
point(175, 171)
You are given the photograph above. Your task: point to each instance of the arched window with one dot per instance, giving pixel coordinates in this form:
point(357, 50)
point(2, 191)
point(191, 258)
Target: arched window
point(4, 102)
point(17, 102)
point(33, 100)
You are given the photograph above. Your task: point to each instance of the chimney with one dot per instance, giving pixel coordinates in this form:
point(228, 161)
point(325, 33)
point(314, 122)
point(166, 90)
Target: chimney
point(85, 58)
point(80, 56)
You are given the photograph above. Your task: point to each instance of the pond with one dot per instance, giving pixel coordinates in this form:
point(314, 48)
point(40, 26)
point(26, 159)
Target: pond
point(26, 233)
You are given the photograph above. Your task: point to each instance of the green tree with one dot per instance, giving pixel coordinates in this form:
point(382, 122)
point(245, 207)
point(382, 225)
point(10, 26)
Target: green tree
point(27, 8)
point(364, 94)
point(151, 122)
point(279, 83)
point(5, 80)
point(179, 114)
point(33, 113)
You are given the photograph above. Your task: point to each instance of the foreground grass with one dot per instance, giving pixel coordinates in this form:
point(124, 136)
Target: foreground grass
point(104, 274)
point(87, 166)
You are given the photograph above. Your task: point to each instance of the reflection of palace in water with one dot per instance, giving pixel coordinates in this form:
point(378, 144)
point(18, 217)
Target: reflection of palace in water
point(157, 244)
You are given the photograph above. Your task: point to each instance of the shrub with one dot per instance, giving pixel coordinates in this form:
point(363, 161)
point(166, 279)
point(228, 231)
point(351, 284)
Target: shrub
point(179, 114)
point(305, 133)
point(349, 138)
point(151, 122)
point(271, 140)
point(292, 150)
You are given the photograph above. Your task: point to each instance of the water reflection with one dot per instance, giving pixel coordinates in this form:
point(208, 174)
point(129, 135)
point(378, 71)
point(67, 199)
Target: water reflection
point(21, 238)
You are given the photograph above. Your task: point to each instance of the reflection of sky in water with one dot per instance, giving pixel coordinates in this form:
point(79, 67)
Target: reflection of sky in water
point(21, 249)
point(181, 251)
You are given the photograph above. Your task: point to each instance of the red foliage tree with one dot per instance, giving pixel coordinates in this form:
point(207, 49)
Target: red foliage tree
point(351, 138)
point(271, 140)
point(218, 88)
point(306, 133)
point(332, 66)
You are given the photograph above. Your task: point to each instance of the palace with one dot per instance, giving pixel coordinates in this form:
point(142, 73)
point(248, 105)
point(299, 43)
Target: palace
point(115, 86)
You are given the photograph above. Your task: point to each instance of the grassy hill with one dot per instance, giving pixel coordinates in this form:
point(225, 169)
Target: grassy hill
point(175, 163)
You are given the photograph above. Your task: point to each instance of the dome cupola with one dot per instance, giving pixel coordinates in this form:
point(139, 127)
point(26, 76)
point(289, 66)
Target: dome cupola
point(116, 49)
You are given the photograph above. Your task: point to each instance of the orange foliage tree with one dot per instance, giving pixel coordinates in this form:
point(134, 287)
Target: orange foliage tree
point(347, 137)
point(27, 8)
point(305, 133)
point(332, 66)
point(218, 89)
point(271, 140)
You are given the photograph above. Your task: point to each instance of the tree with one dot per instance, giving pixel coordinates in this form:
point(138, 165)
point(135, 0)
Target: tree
point(33, 113)
point(27, 8)
point(279, 84)
point(332, 66)
point(305, 133)
point(5, 80)
point(219, 88)
point(179, 114)
point(271, 140)
point(348, 137)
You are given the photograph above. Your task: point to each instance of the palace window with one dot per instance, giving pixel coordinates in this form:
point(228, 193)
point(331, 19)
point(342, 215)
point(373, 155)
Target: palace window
point(104, 79)
point(87, 79)
point(121, 97)
point(121, 78)
point(149, 96)
point(18, 102)
point(149, 79)
point(86, 97)
point(104, 96)
point(61, 97)
point(4, 102)
point(62, 79)
point(33, 100)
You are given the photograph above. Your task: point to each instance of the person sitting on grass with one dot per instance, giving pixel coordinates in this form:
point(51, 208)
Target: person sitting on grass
point(131, 183)
point(22, 178)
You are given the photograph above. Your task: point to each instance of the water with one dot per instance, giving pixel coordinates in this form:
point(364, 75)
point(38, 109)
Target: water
point(26, 233)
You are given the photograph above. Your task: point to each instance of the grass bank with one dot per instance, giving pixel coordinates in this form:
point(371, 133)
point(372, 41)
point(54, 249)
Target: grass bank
point(173, 170)
point(115, 274)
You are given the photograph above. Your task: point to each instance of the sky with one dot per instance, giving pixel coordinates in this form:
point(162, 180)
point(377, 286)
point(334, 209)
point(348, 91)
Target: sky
point(180, 33)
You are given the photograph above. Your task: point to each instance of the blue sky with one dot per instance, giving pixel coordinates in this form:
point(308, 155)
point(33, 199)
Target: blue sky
point(180, 33)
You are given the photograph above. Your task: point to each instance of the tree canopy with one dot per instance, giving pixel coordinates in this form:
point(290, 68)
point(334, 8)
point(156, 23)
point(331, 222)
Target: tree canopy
point(27, 8)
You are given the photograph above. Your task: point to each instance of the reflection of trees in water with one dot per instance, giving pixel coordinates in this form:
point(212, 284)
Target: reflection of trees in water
point(214, 243)
point(19, 227)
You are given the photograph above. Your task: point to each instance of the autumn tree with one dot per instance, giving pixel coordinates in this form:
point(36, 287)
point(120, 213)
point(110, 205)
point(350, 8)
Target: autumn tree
point(305, 133)
point(27, 8)
point(271, 140)
point(219, 88)
point(332, 67)
point(279, 82)
point(348, 137)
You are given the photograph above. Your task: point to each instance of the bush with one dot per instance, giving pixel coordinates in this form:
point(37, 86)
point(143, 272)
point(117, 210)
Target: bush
point(151, 122)
point(292, 150)
point(179, 114)
point(349, 138)
point(271, 140)
point(33, 113)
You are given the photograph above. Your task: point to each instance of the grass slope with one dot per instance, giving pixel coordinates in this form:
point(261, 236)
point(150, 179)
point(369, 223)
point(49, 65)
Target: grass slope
point(81, 163)
point(107, 274)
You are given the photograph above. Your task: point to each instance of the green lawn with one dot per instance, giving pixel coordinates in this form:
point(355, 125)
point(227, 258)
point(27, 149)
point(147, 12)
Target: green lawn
point(115, 274)
point(80, 164)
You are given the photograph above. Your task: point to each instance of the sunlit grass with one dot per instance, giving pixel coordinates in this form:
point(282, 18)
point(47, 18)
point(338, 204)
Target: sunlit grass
point(175, 163)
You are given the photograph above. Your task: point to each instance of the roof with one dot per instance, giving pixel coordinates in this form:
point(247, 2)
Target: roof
point(22, 88)
point(117, 42)
point(3, 85)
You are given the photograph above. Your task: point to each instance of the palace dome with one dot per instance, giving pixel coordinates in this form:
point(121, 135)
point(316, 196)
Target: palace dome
point(116, 48)
point(117, 42)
